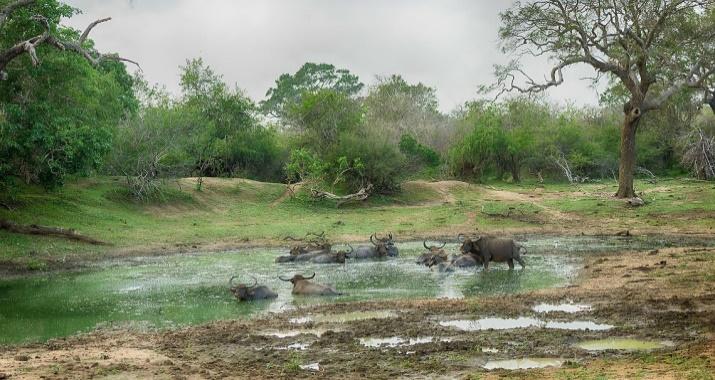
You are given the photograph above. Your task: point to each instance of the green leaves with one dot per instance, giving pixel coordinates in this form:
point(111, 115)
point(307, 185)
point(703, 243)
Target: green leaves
point(310, 78)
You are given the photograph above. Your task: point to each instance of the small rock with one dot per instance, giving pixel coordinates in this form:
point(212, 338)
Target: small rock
point(636, 202)
point(22, 358)
point(653, 252)
point(4, 376)
point(104, 356)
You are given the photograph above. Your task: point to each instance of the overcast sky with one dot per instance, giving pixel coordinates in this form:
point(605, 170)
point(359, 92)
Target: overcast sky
point(447, 44)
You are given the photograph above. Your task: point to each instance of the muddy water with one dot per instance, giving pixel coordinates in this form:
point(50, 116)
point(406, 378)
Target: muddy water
point(189, 289)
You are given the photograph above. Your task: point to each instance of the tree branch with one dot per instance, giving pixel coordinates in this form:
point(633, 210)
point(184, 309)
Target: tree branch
point(29, 46)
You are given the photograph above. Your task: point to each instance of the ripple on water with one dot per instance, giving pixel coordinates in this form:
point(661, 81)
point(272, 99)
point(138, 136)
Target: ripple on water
point(624, 344)
point(526, 363)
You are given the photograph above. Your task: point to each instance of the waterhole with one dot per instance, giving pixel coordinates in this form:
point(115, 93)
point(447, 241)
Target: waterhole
point(172, 291)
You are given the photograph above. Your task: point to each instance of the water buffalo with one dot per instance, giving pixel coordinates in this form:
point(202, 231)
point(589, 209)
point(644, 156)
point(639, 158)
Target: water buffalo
point(434, 255)
point(498, 250)
point(332, 257)
point(461, 261)
point(382, 247)
point(303, 287)
point(244, 292)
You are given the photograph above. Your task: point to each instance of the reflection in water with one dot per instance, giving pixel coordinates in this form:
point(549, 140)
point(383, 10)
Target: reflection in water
point(527, 363)
point(178, 290)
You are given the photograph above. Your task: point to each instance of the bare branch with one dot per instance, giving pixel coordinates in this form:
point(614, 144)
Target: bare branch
point(29, 46)
point(89, 28)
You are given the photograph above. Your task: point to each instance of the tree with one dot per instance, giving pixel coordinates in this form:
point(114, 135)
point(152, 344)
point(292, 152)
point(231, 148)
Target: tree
point(27, 25)
point(655, 49)
point(396, 108)
point(60, 117)
point(311, 77)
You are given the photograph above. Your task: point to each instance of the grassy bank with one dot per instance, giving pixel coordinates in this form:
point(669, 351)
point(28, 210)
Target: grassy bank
point(232, 212)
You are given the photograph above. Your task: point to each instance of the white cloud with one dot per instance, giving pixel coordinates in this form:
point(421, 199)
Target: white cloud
point(447, 44)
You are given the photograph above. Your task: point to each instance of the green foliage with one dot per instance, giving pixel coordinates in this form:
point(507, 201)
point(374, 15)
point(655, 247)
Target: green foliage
point(334, 147)
point(417, 153)
point(325, 114)
point(59, 117)
point(311, 77)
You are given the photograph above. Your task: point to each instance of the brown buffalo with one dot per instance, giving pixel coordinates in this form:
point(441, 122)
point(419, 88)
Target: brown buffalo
point(488, 249)
point(302, 286)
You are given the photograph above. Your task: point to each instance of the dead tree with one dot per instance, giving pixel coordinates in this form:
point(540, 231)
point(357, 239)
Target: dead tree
point(699, 155)
point(654, 49)
point(34, 229)
point(30, 45)
point(340, 200)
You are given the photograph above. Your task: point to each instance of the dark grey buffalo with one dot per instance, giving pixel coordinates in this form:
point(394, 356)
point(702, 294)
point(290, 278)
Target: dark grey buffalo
point(499, 250)
point(434, 256)
point(381, 247)
point(302, 257)
point(244, 292)
point(461, 261)
point(332, 257)
point(304, 287)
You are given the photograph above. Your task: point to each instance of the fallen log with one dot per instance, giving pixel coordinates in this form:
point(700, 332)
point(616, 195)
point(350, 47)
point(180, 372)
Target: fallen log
point(361, 195)
point(34, 229)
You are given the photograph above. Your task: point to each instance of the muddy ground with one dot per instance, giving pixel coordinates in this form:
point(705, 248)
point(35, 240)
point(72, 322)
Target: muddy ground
point(665, 296)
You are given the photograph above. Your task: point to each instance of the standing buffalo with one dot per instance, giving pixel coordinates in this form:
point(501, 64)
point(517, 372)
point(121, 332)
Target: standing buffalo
point(434, 255)
point(245, 292)
point(494, 249)
point(382, 247)
point(303, 287)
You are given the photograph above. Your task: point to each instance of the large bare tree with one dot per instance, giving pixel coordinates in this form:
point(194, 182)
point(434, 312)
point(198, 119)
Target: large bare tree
point(49, 36)
point(653, 48)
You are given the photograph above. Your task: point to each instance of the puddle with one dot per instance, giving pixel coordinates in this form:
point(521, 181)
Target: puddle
point(522, 323)
point(399, 342)
point(296, 346)
point(492, 324)
point(564, 307)
point(345, 317)
point(311, 367)
point(526, 363)
point(293, 333)
point(578, 325)
point(621, 344)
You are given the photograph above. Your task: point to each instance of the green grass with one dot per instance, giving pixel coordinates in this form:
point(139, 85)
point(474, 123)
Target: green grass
point(235, 210)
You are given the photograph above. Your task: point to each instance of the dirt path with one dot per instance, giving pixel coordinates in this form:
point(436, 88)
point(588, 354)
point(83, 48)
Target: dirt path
point(535, 199)
point(664, 295)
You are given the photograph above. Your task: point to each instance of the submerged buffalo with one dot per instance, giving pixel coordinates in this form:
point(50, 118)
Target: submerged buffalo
point(488, 249)
point(244, 292)
point(317, 257)
point(382, 247)
point(303, 287)
point(461, 261)
point(434, 256)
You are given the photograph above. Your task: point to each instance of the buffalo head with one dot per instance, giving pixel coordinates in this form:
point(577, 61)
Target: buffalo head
point(297, 278)
point(469, 245)
point(242, 291)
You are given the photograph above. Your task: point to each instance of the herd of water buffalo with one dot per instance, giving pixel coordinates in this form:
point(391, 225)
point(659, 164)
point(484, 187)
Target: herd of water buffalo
point(315, 248)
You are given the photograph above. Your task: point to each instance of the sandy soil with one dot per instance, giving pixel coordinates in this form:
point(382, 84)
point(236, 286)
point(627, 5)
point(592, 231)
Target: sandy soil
point(665, 295)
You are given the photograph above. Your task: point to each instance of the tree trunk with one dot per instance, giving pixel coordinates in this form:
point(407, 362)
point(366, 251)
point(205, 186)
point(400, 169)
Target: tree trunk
point(515, 175)
point(628, 154)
